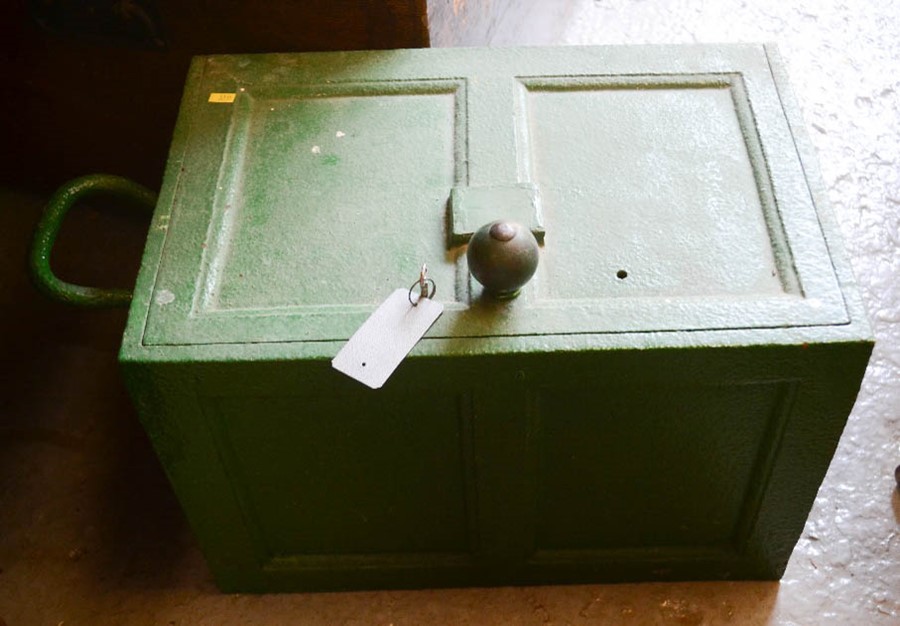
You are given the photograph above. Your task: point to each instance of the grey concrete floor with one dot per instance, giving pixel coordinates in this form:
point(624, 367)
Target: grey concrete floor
point(91, 534)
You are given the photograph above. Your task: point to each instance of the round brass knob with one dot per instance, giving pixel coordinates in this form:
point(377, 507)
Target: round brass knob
point(503, 256)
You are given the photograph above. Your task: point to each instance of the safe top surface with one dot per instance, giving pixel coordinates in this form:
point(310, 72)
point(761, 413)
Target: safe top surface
point(666, 187)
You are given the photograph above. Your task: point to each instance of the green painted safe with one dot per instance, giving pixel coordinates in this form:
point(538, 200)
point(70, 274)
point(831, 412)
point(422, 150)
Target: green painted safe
point(660, 402)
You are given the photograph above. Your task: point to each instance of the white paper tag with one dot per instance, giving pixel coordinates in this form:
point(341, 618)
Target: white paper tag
point(383, 341)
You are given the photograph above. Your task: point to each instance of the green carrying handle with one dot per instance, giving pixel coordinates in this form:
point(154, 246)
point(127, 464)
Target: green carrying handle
point(48, 229)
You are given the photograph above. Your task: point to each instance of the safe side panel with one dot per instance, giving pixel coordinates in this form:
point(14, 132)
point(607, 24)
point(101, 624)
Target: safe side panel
point(651, 467)
point(468, 479)
point(169, 406)
point(348, 474)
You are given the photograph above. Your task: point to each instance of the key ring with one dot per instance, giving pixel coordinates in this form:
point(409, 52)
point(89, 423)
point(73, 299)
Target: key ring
point(423, 284)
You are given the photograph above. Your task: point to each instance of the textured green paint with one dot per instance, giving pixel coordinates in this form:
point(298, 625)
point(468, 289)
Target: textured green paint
point(473, 207)
point(673, 424)
point(688, 180)
point(50, 223)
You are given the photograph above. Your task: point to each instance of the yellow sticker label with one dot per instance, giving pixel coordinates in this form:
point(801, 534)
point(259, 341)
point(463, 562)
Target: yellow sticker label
point(221, 97)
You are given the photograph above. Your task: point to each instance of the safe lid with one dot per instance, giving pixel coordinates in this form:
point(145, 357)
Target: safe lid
point(663, 183)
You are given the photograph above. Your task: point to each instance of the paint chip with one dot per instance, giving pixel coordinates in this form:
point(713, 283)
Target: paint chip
point(316, 150)
point(340, 133)
point(165, 297)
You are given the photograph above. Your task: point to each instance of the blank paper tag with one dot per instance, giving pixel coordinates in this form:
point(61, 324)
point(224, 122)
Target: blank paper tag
point(383, 341)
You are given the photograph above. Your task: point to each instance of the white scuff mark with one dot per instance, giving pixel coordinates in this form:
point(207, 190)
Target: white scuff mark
point(165, 297)
point(316, 150)
point(340, 133)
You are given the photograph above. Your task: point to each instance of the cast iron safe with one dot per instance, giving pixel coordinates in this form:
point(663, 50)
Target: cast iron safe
point(661, 401)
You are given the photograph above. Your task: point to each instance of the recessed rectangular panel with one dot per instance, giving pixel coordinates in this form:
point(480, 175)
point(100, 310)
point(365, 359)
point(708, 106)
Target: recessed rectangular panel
point(651, 468)
point(650, 190)
point(328, 195)
point(352, 474)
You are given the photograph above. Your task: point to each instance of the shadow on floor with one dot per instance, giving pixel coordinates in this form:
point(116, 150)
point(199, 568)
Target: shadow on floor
point(81, 489)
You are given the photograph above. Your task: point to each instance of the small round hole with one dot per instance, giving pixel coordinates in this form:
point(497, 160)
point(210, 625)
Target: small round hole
point(364, 364)
point(621, 274)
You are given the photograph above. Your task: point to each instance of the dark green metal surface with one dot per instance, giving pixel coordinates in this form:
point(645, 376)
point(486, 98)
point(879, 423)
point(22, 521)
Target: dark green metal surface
point(660, 402)
point(51, 221)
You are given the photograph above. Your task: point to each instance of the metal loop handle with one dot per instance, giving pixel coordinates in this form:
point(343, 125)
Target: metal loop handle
point(48, 228)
